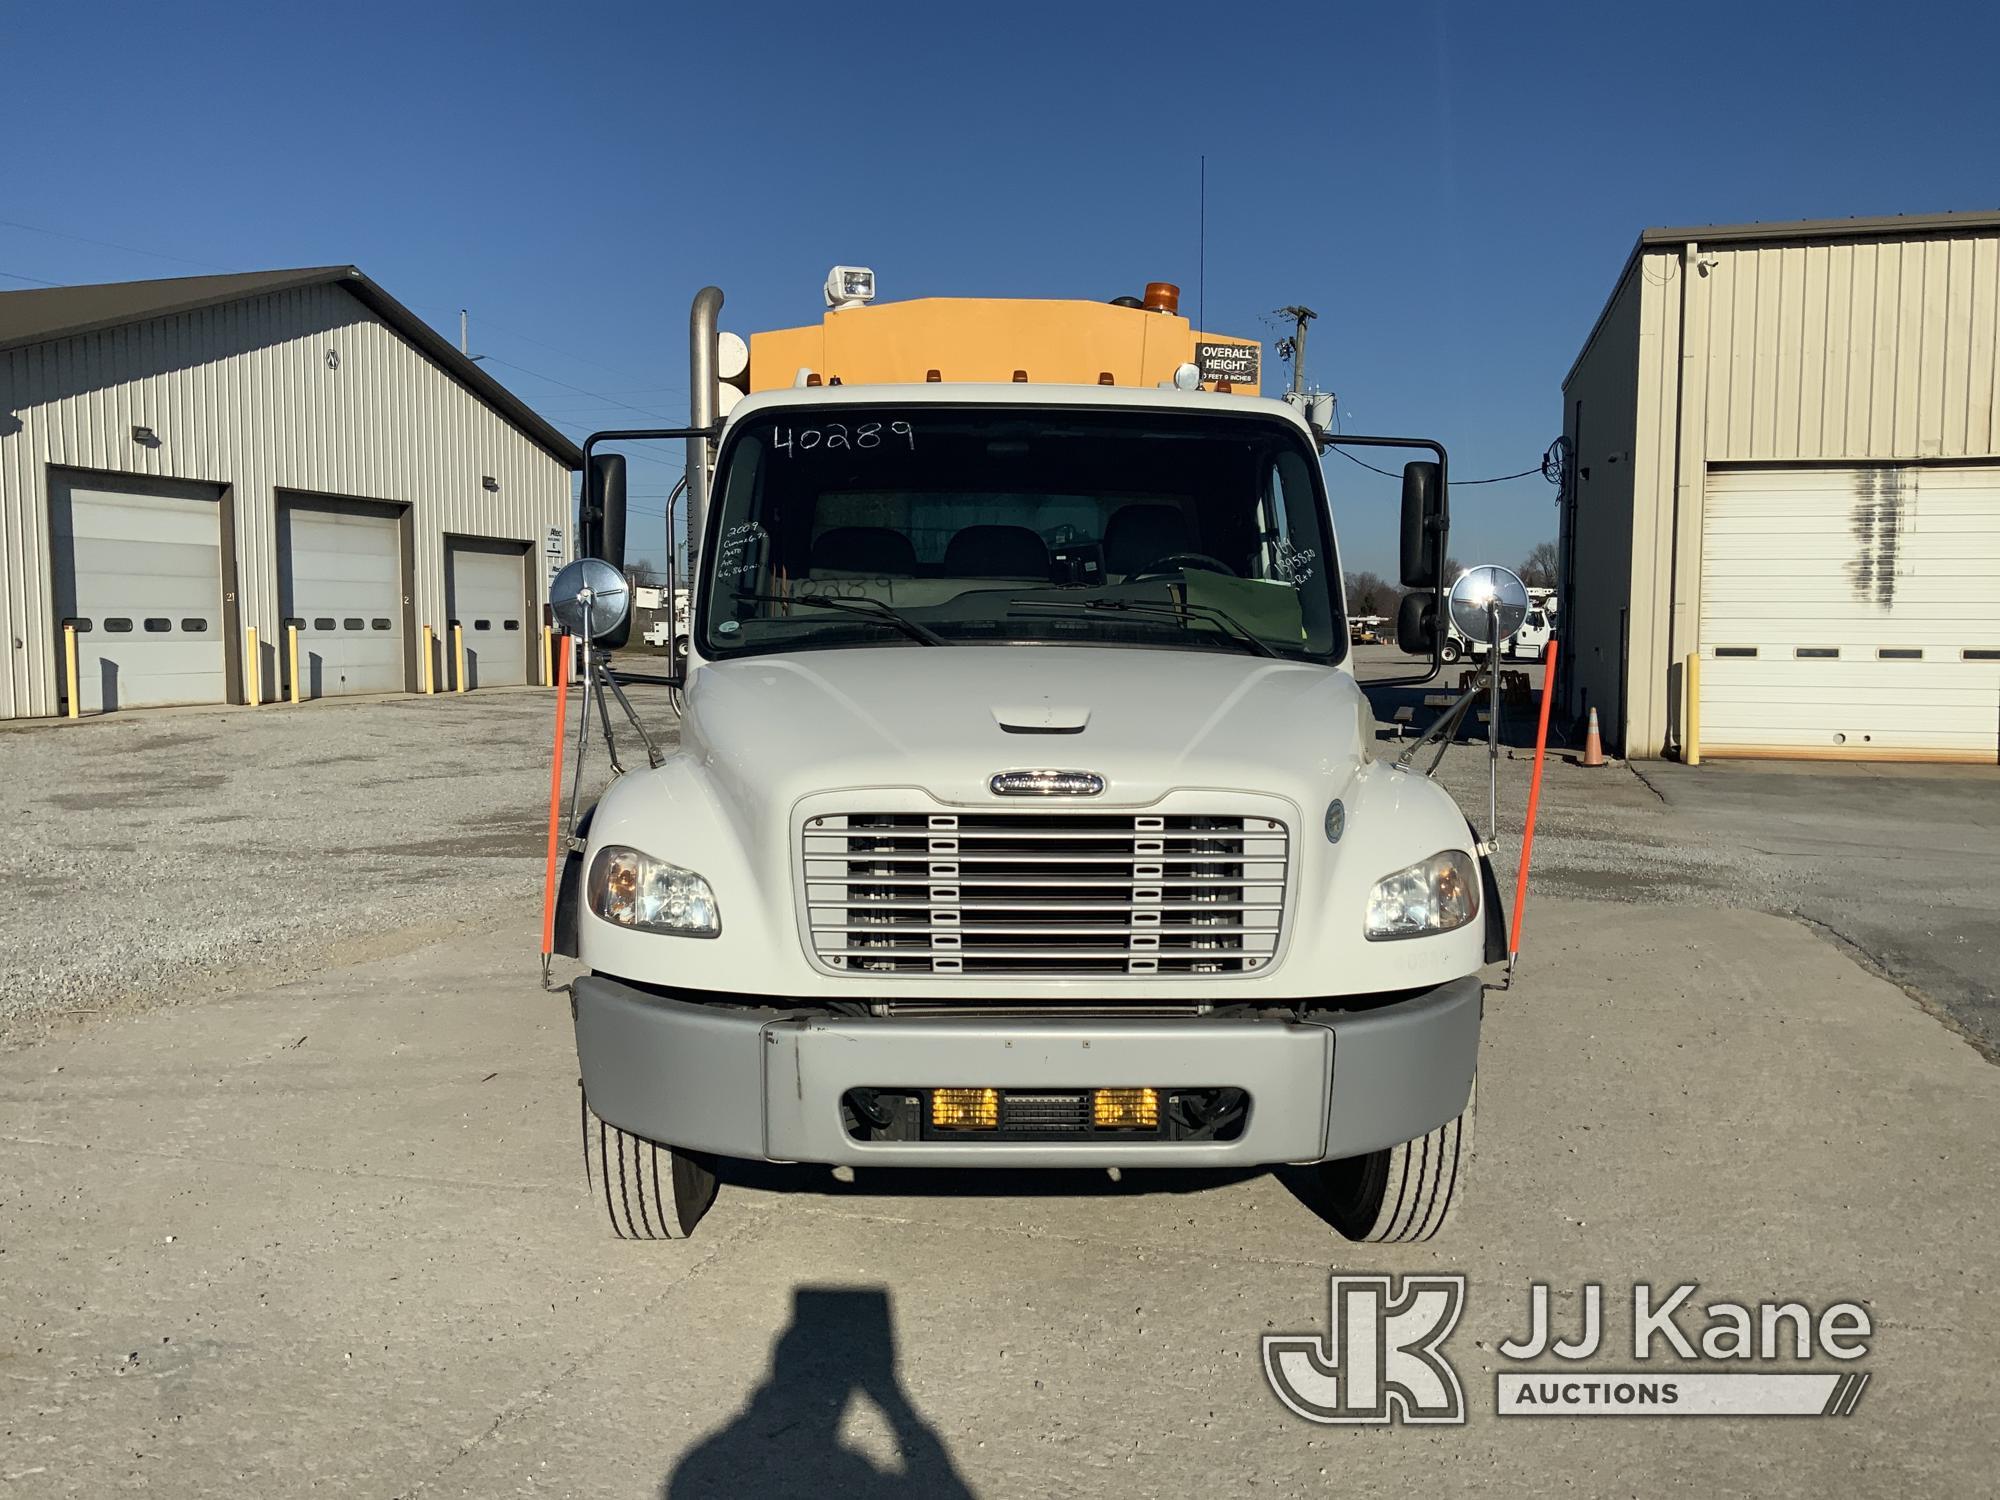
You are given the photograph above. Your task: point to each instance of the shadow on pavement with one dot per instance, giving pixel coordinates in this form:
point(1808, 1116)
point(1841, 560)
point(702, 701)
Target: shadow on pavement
point(840, 1344)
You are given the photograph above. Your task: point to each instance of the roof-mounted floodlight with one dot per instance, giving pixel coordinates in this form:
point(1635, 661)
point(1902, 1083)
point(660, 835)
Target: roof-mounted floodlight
point(849, 286)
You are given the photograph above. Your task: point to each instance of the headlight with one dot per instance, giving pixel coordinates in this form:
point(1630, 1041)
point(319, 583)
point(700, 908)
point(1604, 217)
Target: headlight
point(635, 890)
point(1437, 895)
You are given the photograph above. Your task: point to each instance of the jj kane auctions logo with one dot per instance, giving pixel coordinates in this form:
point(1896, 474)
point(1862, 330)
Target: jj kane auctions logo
point(1382, 1358)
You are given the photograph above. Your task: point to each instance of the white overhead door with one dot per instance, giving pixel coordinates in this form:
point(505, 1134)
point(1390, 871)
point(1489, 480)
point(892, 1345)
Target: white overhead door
point(138, 571)
point(340, 580)
point(1852, 612)
point(486, 595)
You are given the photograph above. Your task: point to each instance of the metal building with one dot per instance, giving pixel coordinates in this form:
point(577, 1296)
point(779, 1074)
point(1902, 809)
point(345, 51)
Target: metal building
point(1785, 450)
point(186, 462)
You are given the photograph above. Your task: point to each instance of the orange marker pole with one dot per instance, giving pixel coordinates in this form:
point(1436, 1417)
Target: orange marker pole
point(555, 808)
point(1534, 801)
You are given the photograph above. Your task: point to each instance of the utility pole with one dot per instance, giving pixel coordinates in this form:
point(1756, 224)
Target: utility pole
point(462, 347)
point(1295, 346)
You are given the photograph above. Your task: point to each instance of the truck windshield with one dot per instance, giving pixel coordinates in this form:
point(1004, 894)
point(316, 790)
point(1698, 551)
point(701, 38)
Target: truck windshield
point(964, 525)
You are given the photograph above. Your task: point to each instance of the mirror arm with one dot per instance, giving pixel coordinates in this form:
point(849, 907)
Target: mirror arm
point(676, 673)
point(1443, 523)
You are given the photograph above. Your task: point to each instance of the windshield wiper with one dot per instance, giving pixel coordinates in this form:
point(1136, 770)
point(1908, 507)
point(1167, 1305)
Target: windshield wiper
point(1174, 611)
point(873, 609)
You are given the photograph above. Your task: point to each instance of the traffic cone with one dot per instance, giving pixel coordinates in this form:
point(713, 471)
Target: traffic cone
point(1593, 744)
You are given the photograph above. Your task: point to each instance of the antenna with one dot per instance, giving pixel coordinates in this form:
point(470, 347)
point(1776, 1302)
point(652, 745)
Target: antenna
point(1201, 251)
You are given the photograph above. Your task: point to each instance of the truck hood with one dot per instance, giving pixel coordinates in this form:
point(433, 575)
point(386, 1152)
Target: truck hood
point(772, 729)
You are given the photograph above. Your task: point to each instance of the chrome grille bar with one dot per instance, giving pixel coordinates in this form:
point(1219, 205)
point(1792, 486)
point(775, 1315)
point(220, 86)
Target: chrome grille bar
point(1053, 893)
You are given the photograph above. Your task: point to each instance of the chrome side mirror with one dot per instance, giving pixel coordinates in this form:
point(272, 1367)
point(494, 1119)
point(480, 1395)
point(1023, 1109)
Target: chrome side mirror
point(1488, 605)
point(590, 599)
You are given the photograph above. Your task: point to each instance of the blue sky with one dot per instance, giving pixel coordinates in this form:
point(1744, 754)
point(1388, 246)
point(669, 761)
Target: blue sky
point(1453, 186)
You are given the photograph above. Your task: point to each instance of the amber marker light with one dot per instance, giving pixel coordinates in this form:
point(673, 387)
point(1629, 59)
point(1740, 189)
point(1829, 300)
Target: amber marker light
point(965, 1109)
point(1125, 1109)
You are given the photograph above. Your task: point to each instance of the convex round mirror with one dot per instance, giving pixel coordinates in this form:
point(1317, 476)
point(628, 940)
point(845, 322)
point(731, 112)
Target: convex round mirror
point(1474, 597)
point(592, 587)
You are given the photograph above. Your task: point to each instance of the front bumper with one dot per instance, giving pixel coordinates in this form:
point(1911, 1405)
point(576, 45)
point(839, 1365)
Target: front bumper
point(766, 1085)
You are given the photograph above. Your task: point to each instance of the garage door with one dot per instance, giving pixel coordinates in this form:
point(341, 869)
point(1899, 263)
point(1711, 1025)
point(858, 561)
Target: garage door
point(1852, 613)
point(138, 569)
point(340, 580)
point(485, 594)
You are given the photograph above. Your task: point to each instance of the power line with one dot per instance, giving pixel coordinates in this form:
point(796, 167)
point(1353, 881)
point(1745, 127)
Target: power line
point(638, 453)
point(597, 395)
point(583, 359)
point(84, 239)
point(17, 276)
point(1540, 468)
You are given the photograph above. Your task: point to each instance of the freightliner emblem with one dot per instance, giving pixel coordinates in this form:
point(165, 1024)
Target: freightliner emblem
point(1046, 784)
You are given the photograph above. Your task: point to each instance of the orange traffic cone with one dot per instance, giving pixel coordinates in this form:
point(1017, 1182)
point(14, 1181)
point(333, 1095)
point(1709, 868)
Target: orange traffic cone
point(1593, 744)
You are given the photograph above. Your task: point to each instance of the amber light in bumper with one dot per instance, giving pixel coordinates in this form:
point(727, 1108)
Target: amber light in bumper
point(1125, 1109)
point(965, 1109)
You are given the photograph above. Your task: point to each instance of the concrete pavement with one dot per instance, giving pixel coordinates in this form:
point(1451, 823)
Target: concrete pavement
point(332, 1237)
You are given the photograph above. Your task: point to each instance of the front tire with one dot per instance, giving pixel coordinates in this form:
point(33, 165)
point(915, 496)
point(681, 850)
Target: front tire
point(1450, 652)
point(1405, 1193)
point(649, 1192)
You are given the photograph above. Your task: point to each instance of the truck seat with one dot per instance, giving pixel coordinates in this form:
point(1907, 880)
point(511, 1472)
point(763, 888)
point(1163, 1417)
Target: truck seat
point(996, 552)
point(877, 551)
point(1142, 533)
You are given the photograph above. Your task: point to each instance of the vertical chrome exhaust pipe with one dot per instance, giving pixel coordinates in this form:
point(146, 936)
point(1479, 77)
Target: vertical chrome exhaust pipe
point(702, 402)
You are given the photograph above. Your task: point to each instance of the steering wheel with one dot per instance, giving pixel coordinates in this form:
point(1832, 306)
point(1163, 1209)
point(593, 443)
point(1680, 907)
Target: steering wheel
point(1179, 562)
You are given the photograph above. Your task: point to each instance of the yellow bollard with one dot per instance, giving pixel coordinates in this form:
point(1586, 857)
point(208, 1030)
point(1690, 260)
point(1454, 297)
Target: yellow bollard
point(253, 670)
point(430, 662)
point(69, 667)
point(548, 657)
point(458, 655)
point(1691, 688)
point(292, 649)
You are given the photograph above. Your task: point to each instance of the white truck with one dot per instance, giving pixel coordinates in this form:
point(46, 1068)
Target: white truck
point(1530, 643)
point(1026, 810)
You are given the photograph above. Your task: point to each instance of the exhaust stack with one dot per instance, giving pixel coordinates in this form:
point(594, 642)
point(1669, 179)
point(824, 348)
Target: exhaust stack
point(702, 403)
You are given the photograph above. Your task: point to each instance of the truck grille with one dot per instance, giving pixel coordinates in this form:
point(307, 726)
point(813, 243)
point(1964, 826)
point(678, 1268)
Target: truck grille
point(1044, 893)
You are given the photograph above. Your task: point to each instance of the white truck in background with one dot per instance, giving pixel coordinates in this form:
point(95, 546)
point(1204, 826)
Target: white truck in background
point(660, 634)
point(1530, 644)
point(1027, 811)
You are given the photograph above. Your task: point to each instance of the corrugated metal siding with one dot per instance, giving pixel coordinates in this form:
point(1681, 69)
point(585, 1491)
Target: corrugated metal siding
point(1837, 353)
point(1600, 409)
point(241, 395)
point(1851, 351)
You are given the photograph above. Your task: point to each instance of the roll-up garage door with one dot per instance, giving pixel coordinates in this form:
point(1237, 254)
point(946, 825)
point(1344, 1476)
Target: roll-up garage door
point(1852, 612)
point(340, 580)
point(138, 571)
point(486, 596)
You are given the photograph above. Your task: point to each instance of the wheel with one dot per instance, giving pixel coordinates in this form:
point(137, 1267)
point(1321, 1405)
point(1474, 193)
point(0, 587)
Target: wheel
point(1404, 1193)
point(649, 1192)
point(1449, 652)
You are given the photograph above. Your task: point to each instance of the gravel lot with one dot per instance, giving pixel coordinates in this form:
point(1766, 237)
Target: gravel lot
point(181, 852)
point(201, 849)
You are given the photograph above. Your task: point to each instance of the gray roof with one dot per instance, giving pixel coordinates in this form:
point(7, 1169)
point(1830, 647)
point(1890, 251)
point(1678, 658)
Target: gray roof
point(1787, 232)
point(1884, 226)
point(44, 314)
